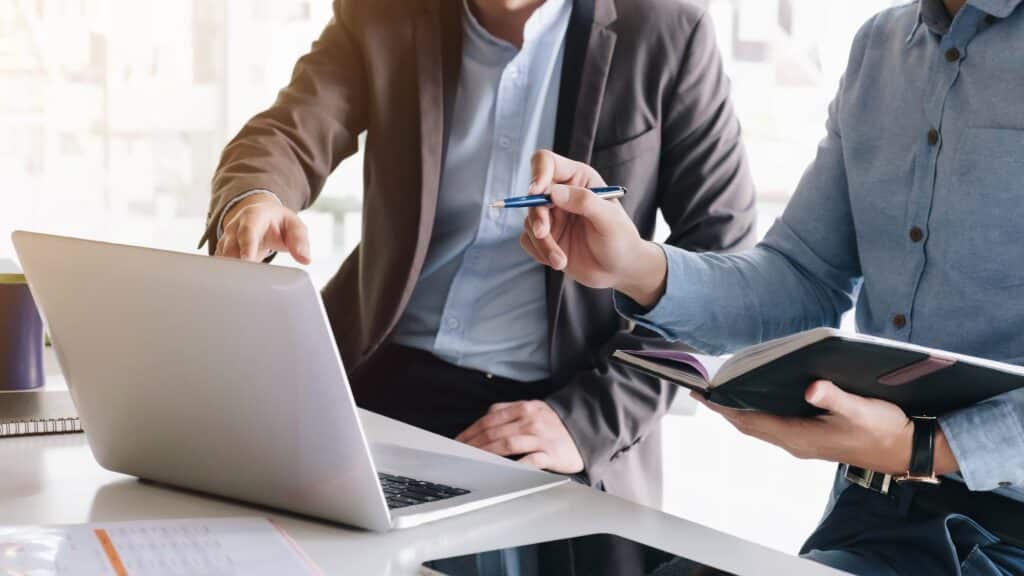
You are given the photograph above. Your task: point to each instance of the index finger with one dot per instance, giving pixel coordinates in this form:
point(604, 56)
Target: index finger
point(490, 420)
point(250, 237)
point(549, 168)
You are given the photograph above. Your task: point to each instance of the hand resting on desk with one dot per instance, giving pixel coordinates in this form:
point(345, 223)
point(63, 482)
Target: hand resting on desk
point(528, 428)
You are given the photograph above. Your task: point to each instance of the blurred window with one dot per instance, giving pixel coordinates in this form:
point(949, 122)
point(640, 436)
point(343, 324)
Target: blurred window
point(113, 112)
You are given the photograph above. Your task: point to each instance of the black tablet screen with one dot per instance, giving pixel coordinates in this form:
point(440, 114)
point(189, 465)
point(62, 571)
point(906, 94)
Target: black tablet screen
point(593, 555)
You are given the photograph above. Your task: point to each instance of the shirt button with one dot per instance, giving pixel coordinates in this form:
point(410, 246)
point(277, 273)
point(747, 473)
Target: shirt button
point(899, 321)
point(916, 234)
point(513, 72)
point(453, 323)
point(952, 55)
point(933, 137)
point(505, 142)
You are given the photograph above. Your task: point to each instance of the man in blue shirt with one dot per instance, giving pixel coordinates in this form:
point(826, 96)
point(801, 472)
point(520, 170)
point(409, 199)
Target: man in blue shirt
point(441, 319)
point(913, 207)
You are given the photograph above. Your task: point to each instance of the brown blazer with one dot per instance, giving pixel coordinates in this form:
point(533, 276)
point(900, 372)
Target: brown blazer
point(643, 99)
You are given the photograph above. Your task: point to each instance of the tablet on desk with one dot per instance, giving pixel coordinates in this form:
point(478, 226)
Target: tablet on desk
point(592, 555)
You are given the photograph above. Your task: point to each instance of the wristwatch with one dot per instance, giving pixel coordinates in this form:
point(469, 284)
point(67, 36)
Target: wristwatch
point(922, 454)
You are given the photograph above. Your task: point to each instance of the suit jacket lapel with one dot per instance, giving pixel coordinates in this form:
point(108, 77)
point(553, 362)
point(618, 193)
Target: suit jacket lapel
point(438, 34)
point(589, 46)
point(451, 58)
point(431, 102)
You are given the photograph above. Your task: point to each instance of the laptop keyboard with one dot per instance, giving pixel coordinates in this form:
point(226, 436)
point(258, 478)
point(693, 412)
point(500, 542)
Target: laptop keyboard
point(401, 491)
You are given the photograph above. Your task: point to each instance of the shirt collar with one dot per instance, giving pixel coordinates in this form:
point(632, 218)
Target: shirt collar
point(997, 8)
point(543, 21)
point(482, 45)
point(933, 14)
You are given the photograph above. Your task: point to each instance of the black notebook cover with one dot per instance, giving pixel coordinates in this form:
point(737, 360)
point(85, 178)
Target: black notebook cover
point(865, 369)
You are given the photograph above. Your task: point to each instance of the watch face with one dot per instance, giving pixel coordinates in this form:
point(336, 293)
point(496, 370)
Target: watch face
point(593, 555)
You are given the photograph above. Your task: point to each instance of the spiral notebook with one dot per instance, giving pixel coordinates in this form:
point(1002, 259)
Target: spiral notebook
point(37, 412)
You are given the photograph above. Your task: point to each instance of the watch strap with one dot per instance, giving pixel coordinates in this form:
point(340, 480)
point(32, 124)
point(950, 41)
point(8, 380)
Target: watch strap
point(922, 453)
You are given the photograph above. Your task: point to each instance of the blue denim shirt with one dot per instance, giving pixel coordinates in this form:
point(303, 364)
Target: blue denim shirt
point(914, 206)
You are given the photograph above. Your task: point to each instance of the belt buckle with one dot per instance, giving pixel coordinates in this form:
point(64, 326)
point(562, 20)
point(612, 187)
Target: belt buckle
point(869, 479)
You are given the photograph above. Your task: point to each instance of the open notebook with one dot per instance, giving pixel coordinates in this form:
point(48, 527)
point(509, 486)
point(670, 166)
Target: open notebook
point(773, 376)
point(37, 412)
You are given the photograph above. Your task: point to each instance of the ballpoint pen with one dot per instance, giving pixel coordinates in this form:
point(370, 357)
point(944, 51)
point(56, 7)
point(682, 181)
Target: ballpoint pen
point(606, 192)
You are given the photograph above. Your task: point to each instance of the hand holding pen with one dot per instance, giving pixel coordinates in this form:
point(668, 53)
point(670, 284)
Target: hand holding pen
point(593, 241)
point(603, 192)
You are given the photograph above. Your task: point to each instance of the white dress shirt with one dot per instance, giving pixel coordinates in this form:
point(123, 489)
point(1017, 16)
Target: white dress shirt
point(480, 301)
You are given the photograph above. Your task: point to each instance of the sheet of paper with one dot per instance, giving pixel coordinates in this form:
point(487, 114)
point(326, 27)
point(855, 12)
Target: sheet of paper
point(194, 547)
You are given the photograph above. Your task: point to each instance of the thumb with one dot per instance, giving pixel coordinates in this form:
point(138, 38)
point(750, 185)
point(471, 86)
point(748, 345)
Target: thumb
point(585, 203)
point(296, 238)
point(827, 396)
point(538, 460)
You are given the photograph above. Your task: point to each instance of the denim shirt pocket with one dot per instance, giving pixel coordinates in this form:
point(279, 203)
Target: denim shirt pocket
point(990, 181)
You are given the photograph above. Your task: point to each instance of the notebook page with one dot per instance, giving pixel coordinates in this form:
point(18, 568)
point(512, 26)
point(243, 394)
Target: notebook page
point(761, 354)
point(713, 364)
point(706, 366)
point(222, 546)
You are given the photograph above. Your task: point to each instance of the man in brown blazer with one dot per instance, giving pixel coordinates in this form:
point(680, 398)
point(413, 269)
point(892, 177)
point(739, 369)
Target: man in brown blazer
point(441, 319)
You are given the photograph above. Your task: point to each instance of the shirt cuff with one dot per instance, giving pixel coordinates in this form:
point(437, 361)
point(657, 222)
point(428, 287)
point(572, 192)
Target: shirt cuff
point(672, 305)
point(987, 440)
point(236, 200)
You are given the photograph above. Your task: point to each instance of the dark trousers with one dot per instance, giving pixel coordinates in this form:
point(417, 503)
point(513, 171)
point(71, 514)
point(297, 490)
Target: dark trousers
point(868, 533)
point(419, 388)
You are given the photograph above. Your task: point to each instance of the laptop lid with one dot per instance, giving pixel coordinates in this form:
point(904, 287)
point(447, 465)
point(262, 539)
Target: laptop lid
point(208, 373)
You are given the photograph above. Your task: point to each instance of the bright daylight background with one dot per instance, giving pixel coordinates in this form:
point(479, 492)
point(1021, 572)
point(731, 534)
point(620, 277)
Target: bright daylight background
point(113, 113)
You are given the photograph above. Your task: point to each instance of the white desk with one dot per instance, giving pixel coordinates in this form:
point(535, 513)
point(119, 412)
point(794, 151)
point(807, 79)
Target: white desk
point(55, 480)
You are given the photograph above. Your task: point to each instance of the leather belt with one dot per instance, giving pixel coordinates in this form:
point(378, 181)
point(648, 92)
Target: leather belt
point(868, 479)
point(1000, 515)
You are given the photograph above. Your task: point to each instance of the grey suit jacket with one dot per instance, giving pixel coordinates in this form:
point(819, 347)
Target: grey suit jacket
point(643, 99)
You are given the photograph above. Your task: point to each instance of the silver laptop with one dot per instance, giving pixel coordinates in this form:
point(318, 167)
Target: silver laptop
point(223, 376)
